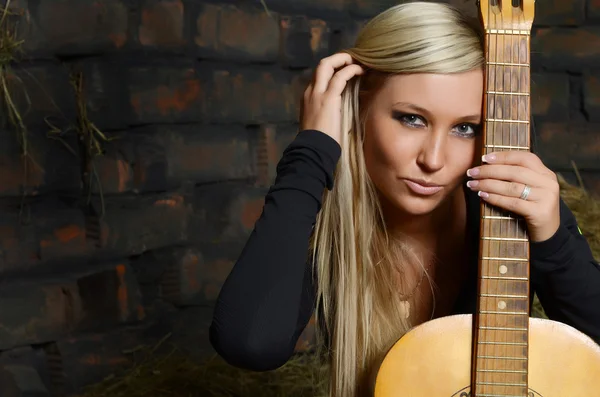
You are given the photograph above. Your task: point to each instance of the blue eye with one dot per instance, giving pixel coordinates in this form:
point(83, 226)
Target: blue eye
point(467, 130)
point(411, 120)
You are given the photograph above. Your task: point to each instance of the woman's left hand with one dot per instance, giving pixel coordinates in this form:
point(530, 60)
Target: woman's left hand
point(501, 181)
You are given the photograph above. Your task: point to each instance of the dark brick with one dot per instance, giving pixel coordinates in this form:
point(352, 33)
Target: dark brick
point(103, 93)
point(74, 27)
point(164, 157)
point(133, 225)
point(166, 93)
point(468, 7)
point(226, 212)
point(36, 313)
point(344, 36)
point(230, 32)
point(561, 143)
point(34, 358)
point(250, 95)
point(42, 95)
point(593, 10)
point(109, 297)
point(319, 8)
point(550, 96)
point(591, 96)
point(49, 166)
point(591, 180)
point(370, 8)
point(304, 41)
point(21, 381)
point(564, 49)
point(270, 142)
point(560, 12)
point(162, 24)
point(45, 232)
point(183, 280)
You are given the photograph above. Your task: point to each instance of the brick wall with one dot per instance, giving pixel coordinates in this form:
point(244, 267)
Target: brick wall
point(197, 100)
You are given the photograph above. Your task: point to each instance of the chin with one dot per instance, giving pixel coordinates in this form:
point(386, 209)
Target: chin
point(415, 205)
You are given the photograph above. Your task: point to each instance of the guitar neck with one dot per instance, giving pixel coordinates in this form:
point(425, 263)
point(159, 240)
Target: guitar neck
point(502, 326)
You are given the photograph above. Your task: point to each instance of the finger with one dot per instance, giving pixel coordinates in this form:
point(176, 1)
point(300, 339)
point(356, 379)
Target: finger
point(506, 189)
point(510, 204)
point(341, 78)
point(516, 157)
point(510, 173)
point(327, 68)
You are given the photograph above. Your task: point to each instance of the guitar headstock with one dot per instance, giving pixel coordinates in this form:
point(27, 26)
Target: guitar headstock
point(507, 14)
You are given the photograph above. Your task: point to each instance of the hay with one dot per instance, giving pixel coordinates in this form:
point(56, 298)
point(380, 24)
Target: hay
point(176, 375)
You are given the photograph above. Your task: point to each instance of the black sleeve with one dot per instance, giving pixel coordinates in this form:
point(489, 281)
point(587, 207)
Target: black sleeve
point(568, 277)
point(268, 298)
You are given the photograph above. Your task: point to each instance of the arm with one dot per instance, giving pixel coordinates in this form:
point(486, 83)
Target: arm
point(568, 277)
point(268, 298)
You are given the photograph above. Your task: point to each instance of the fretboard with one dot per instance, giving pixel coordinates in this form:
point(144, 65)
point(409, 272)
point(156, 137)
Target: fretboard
point(502, 327)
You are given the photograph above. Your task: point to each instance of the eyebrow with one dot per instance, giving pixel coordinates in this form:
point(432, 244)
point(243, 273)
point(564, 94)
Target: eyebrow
point(474, 117)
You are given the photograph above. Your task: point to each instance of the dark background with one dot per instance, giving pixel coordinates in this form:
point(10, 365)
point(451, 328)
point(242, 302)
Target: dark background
point(198, 99)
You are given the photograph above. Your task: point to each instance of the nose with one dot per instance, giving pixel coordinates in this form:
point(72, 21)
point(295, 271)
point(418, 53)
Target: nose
point(432, 154)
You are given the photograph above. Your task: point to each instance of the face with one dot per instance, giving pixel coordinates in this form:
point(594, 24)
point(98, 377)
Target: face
point(421, 135)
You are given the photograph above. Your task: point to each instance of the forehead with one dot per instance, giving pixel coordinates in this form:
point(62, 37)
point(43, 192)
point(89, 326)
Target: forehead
point(454, 95)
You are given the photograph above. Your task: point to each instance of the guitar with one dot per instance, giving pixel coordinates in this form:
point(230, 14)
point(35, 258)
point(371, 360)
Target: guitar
point(500, 351)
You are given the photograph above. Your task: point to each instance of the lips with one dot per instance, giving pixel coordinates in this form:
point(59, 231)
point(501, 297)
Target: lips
point(422, 188)
point(424, 183)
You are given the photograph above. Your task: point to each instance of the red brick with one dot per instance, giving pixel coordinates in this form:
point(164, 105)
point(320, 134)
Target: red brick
point(561, 143)
point(591, 96)
point(250, 95)
point(560, 12)
point(550, 96)
point(133, 225)
point(226, 212)
point(566, 49)
point(33, 314)
point(74, 27)
point(166, 93)
point(164, 157)
point(230, 32)
point(304, 41)
point(162, 24)
point(109, 297)
point(51, 233)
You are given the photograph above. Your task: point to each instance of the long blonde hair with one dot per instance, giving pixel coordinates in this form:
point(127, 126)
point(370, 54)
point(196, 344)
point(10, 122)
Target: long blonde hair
point(357, 263)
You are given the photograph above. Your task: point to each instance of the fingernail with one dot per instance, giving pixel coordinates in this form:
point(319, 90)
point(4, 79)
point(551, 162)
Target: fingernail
point(483, 194)
point(473, 172)
point(472, 183)
point(488, 158)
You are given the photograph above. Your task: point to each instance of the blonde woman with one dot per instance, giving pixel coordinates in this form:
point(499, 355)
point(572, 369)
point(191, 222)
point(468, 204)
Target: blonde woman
point(372, 222)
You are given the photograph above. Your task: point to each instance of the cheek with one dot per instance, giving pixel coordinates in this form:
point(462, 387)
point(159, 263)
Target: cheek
point(381, 147)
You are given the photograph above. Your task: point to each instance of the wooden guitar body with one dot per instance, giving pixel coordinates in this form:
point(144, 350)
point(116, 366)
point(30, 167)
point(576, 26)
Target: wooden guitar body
point(434, 360)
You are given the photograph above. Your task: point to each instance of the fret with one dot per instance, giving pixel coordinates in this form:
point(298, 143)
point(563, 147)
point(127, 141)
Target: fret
point(507, 93)
point(508, 147)
point(508, 31)
point(501, 384)
point(522, 65)
point(507, 121)
point(497, 395)
point(505, 278)
point(498, 218)
point(503, 343)
point(503, 328)
point(524, 240)
point(503, 358)
point(504, 296)
point(502, 371)
point(501, 312)
point(492, 258)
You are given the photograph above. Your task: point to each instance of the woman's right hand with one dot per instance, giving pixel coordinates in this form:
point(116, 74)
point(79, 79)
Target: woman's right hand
point(322, 105)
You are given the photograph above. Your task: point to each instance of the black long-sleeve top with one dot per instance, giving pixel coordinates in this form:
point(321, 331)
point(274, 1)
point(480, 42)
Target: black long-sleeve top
point(269, 296)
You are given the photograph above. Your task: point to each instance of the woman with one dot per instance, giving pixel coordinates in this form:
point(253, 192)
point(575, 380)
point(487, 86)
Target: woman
point(373, 192)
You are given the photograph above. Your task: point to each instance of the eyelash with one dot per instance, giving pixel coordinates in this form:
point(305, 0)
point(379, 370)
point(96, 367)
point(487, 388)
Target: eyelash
point(403, 116)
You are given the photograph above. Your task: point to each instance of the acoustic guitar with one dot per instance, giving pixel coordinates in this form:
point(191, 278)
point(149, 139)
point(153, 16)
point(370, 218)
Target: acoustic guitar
point(500, 351)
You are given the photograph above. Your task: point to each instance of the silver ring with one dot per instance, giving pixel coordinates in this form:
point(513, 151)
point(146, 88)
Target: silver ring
point(525, 193)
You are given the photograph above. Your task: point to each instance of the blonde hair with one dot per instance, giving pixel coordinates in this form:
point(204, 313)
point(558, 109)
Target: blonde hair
point(358, 265)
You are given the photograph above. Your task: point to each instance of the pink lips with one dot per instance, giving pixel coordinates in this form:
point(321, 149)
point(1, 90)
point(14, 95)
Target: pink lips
point(423, 188)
